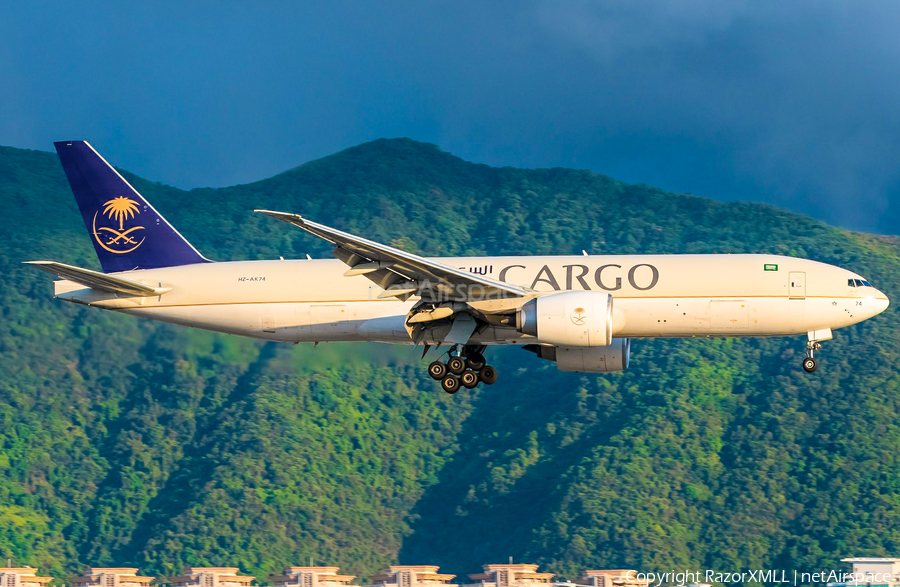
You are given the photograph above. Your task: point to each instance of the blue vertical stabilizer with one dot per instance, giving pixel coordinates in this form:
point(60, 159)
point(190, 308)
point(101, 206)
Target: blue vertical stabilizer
point(127, 232)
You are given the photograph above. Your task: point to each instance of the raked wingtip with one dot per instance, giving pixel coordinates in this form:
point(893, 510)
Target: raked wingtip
point(287, 216)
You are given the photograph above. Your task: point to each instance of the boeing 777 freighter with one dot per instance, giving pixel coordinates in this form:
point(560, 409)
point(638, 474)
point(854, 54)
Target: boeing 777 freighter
point(579, 311)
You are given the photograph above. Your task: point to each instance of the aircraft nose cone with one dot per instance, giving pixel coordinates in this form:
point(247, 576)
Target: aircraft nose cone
point(881, 302)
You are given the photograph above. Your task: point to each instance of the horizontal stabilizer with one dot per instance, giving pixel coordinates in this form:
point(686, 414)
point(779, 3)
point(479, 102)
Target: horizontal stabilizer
point(98, 280)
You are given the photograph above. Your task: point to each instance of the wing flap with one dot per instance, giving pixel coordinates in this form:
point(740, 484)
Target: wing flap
point(97, 280)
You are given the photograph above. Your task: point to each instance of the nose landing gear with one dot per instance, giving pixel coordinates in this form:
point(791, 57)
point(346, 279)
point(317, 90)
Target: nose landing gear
point(812, 345)
point(809, 363)
point(465, 368)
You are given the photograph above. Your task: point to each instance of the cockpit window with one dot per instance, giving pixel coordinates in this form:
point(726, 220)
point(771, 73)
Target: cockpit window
point(859, 283)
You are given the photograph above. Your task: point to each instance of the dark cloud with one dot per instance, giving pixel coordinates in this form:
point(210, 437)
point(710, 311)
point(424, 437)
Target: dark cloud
point(793, 104)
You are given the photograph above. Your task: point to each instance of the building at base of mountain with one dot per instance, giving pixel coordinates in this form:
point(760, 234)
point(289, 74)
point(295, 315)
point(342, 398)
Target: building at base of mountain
point(870, 570)
point(311, 577)
point(413, 576)
point(510, 575)
point(111, 577)
point(22, 577)
point(211, 577)
point(612, 578)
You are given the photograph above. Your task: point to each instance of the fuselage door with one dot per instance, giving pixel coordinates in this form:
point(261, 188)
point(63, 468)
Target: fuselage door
point(797, 284)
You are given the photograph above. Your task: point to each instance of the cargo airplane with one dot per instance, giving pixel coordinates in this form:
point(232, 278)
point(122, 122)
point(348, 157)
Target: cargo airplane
point(579, 311)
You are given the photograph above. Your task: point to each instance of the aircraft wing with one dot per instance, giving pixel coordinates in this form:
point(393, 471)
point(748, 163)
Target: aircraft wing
point(98, 280)
point(402, 274)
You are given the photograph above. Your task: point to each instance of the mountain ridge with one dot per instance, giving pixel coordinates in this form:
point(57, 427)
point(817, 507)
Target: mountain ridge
point(400, 150)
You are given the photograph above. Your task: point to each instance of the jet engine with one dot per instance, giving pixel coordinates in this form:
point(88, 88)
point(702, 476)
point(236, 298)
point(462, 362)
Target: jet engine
point(608, 359)
point(569, 319)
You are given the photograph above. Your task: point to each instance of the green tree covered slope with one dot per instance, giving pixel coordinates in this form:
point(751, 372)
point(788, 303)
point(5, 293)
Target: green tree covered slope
point(130, 443)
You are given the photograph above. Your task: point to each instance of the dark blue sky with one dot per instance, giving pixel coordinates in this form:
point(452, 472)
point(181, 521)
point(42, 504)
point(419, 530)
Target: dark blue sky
point(792, 103)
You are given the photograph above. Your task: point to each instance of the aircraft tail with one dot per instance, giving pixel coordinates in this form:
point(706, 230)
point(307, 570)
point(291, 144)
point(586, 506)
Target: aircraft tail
point(127, 232)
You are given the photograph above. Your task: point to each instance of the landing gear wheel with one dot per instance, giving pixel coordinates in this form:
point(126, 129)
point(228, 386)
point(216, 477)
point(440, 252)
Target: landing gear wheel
point(450, 384)
point(488, 375)
point(809, 364)
point(475, 361)
point(469, 379)
point(456, 365)
point(437, 370)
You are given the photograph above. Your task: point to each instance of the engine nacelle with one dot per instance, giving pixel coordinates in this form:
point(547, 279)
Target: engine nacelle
point(569, 319)
point(608, 359)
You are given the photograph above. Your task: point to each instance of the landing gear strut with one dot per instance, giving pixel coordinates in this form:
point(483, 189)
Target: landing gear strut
point(466, 367)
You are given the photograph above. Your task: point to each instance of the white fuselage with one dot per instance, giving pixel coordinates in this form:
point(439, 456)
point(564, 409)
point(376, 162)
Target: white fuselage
point(653, 296)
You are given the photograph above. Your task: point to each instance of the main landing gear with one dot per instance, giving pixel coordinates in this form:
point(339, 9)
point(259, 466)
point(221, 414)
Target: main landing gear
point(466, 368)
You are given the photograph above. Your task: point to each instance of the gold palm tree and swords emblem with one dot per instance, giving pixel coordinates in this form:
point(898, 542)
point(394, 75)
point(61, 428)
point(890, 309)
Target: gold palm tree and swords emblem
point(579, 317)
point(122, 240)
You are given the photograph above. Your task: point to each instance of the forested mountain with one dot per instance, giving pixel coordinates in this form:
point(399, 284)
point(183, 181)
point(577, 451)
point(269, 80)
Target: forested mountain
point(124, 442)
